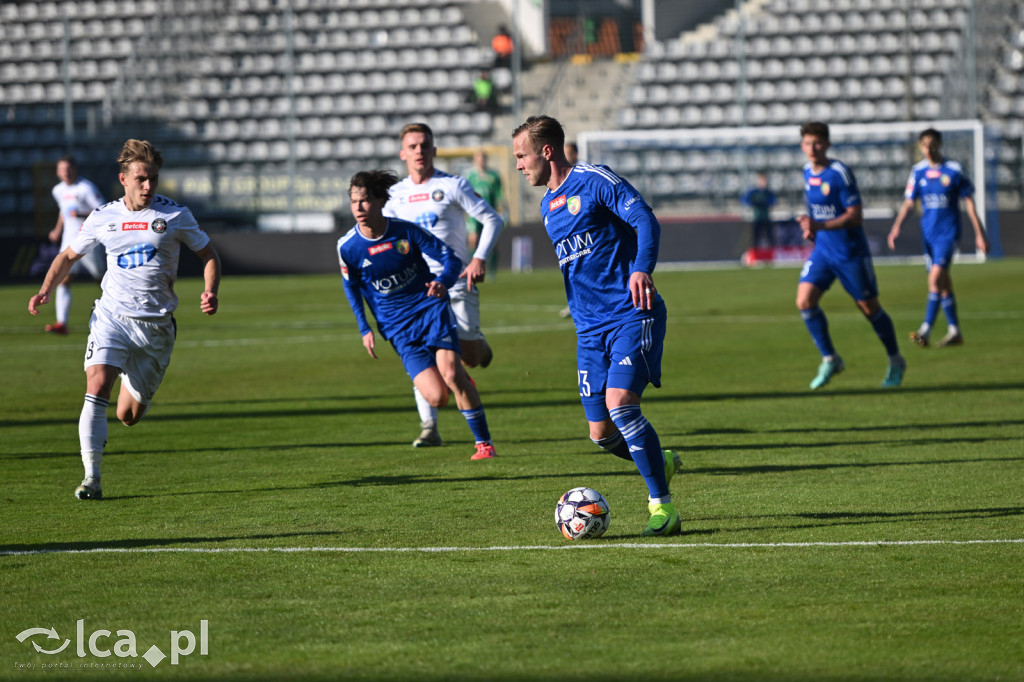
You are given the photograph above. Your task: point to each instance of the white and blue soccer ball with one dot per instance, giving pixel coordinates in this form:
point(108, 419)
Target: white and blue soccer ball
point(582, 514)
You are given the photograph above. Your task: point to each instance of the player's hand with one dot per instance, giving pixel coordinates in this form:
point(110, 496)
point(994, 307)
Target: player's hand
point(981, 243)
point(436, 289)
point(208, 302)
point(642, 291)
point(893, 234)
point(37, 300)
point(55, 235)
point(368, 344)
point(808, 227)
point(474, 272)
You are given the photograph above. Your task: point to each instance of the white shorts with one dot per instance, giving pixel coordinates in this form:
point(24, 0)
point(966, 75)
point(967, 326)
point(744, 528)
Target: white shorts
point(140, 348)
point(466, 305)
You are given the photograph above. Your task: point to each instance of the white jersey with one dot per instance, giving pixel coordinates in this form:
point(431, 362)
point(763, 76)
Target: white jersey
point(142, 254)
point(438, 205)
point(79, 198)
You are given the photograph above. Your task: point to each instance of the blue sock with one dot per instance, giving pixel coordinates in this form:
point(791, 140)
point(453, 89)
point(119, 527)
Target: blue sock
point(616, 445)
point(817, 325)
point(477, 421)
point(931, 311)
point(886, 331)
point(644, 447)
point(949, 307)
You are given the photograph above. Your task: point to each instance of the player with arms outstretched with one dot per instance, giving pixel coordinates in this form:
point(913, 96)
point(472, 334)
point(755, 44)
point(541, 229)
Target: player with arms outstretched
point(835, 225)
point(606, 239)
point(438, 202)
point(382, 263)
point(940, 184)
point(132, 329)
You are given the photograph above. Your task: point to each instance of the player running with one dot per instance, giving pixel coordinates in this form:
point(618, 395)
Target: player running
point(606, 239)
point(437, 202)
point(840, 251)
point(383, 263)
point(132, 329)
point(940, 184)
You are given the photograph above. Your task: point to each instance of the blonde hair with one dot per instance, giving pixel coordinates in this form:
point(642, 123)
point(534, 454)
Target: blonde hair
point(139, 151)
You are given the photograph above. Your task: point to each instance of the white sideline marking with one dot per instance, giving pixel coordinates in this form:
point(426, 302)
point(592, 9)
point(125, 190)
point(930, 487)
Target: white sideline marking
point(510, 548)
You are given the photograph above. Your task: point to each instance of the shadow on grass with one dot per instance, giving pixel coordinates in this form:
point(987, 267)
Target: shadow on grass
point(139, 543)
point(498, 401)
point(834, 519)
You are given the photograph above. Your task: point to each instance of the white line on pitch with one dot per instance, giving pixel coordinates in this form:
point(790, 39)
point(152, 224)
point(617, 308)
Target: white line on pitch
point(510, 548)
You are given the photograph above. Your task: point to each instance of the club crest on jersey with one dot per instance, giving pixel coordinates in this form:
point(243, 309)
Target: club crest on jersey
point(946, 180)
point(438, 195)
point(127, 227)
point(574, 205)
point(825, 188)
point(159, 225)
point(381, 248)
point(403, 246)
point(556, 203)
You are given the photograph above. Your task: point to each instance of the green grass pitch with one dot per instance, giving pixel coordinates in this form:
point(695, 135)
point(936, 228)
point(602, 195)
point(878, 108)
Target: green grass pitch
point(852, 533)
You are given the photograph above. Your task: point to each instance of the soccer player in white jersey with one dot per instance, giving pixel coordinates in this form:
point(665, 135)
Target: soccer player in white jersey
point(438, 202)
point(940, 184)
point(76, 198)
point(132, 329)
point(606, 238)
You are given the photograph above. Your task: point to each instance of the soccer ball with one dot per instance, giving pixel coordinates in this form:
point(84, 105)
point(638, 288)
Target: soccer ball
point(582, 514)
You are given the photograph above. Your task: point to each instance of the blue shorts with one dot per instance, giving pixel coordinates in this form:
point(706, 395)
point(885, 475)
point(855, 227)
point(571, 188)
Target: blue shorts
point(627, 357)
point(856, 274)
point(939, 252)
point(418, 343)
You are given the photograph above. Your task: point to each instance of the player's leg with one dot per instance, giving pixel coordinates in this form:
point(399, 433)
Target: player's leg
point(473, 346)
point(467, 397)
point(147, 364)
point(430, 394)
point(92, 427)
point(815, 279)
point(61, 306)
point(858, 278)
point(634, 360)
point(943, 286)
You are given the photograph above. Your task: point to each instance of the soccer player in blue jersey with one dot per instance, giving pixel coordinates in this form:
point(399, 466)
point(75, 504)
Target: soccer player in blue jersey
point(382, 264)
point(606, 239)
point(835, 225)
point(940, 184)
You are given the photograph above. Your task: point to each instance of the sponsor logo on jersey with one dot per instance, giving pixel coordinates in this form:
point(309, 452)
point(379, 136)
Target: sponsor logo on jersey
point(556, 203)
point(159, 225)
point(381, 248)
point(932, 173)
point(413, 198)
point(137, 256)
point(112, 227)
point(814, 182)
point(626, 362)
point(402, 245)
point(127, 227)
point(344, 269)
point(396, 282)
point(574, 204)
point(366, 263)
point(438, 195)
point(573, 247)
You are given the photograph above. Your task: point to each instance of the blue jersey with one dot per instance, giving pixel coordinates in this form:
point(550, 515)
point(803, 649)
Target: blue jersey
point(602, 231)
point(829, 194)
point(940, 189)
point(390, 274)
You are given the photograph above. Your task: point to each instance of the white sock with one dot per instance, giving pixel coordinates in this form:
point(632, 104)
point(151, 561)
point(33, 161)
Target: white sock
point(92, 433)
point(428, 413)
point(62, 303)
point(660, 500)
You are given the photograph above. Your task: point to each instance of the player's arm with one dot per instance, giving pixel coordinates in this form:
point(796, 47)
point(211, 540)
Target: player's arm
point(625, 201)
point(853, 216)
point(58, 230)
point(980, 238)
point(439, 251)
point(897, 224)
point(491, 225)
point(350, 280)
point(208, 301)
point(59, 269)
